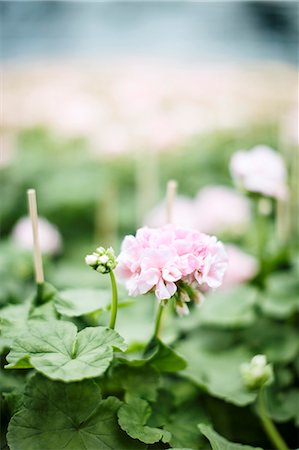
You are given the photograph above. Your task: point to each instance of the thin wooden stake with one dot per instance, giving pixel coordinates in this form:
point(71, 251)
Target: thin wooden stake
point(170, 197)
point(38, 262)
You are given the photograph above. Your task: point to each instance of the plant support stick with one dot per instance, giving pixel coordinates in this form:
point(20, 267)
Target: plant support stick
point(38, 262)
point(170, 196)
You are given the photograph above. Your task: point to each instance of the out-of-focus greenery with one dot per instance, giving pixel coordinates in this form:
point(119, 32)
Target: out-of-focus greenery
point(77, 193)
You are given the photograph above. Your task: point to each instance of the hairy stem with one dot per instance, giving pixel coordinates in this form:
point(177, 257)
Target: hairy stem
point(114, 301)
point(158, 320)
point(269, 427)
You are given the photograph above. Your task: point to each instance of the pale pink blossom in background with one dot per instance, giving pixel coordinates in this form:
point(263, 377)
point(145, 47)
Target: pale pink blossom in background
point(241, 267)
point(182, 213)
point(158, 258)
point(49, 236)
point(221, 209)
point(260, 170)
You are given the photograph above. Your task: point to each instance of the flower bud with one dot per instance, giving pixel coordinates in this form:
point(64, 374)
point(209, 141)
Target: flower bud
point(199, 298)
point(102, 260)
point(91, 260)
point(257, 372)
point(182, 308)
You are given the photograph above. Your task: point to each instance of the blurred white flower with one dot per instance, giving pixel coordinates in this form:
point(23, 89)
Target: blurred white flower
point(261, 170)
point(182, 214)
point(49, 236)
point(220, 208)
point(257, 372)
point(241, 266)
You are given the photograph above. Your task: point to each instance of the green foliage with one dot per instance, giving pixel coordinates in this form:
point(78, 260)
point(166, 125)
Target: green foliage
point(142, 382)
point(281, 298)
point(133, 417)
point(70, 416)
point(77, 302)
point(283, 405)
point(59, 352)
point(219, 443)
point(182, 424)
point(158, 355)
point(216, 367)
point(230, 308)
point(154, 394)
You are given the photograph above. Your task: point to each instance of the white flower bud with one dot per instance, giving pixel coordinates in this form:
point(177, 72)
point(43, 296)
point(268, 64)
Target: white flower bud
point(257, 373)
point(259, 360)
point(184, 297)
point(104, 259)
point(91, 260)
point(199, 298)
point(182, 309)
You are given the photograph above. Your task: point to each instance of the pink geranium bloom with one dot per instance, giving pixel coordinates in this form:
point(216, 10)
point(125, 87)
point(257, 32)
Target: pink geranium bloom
point(241, 267)
point(159, 259)
point(260, 170)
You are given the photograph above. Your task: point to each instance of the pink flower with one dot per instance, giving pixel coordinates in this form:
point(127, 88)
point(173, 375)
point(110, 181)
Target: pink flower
point(162, 259)
point(221, 209)
point(49, 236)
point(241, 266)
point(261, 170)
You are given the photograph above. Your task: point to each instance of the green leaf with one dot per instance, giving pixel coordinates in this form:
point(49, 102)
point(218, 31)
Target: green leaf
point(220, 443)
point(182, 424)
point(278, 341)
point(158, 355)
point(230, 308)
point(180, 420)
point(281, 298)
point(165, 359)
point(12, 322)
point(77, 302)
point(282, 406)
point(132, 418)
point(142, 382)
point(69, 416)
point(214, 364)
point(59, 352)
point(14, 319)
point(46, 292)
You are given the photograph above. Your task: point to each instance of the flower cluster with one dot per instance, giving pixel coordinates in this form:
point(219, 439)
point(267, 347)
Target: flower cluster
point(49, 235)
point(102, 260)
point(260, 170)
point(171, 261)
point(257, 372)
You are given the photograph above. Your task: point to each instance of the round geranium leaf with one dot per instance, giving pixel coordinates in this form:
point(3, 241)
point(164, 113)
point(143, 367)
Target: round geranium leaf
point(218, 442)
point(68, 416)
point(58, 351)
point(77, 302)
point(133, 418)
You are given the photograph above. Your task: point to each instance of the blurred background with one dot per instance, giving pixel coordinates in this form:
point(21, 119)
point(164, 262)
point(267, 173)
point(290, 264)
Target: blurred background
point(103, 102)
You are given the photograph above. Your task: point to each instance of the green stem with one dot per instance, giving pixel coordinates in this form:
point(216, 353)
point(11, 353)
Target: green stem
point(158, 320)
point(261, 233)
point(114, 301)
point(268, 425)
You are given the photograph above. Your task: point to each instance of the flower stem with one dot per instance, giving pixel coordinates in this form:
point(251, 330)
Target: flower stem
point(268, 425)
point(114, 300)
point(158, 320)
